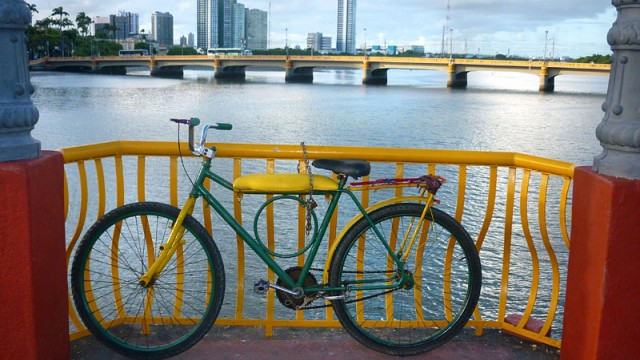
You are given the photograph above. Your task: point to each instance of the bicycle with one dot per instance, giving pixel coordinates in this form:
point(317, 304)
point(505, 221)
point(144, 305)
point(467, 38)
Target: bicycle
point(148, 279)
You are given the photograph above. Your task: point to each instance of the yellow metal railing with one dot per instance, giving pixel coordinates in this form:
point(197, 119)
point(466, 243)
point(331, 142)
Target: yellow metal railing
point(515, 207)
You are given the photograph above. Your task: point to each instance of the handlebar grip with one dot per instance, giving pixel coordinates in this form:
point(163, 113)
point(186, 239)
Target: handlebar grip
point(223, 126)
point(189, 122)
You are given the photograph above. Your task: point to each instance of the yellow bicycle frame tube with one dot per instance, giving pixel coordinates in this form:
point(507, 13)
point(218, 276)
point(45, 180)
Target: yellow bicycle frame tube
point(168, 249)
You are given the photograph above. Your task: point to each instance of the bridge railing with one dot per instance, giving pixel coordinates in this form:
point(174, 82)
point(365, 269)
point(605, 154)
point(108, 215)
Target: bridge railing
point(514, 206)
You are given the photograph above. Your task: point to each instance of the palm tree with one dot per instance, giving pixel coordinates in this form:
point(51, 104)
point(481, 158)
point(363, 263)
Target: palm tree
point(62, 22)
point(83, 21)
point(59, 11)
point(32, 8)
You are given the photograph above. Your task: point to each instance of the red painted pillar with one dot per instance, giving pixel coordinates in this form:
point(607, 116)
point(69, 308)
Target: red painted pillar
point(33, 278)
point(602, 308)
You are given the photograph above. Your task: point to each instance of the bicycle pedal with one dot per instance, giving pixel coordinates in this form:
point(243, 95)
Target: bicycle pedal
point(261, 287)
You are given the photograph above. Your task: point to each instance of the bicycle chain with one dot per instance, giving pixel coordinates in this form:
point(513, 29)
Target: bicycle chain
point(350, 301)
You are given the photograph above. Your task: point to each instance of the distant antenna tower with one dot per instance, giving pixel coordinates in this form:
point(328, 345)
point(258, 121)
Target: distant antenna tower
point(269, 30)
point(445, 28)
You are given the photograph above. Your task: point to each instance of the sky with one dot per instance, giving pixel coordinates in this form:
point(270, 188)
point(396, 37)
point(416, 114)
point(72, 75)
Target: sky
point(512, 27)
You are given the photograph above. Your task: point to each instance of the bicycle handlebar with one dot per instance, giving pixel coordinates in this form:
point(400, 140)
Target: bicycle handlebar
point(192, 123)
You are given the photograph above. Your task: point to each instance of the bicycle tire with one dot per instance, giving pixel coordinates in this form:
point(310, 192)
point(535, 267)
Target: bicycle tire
point(181, 305)
point(418, 318)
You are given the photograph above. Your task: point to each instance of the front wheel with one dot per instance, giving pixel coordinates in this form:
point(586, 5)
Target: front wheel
point(417, 305)
point(160, 320)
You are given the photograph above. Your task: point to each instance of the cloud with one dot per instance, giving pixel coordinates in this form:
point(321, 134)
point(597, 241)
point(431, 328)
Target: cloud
point(515, 24)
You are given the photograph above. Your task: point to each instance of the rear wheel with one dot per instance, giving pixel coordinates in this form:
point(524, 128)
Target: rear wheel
point(165, 318)
point(433, 294)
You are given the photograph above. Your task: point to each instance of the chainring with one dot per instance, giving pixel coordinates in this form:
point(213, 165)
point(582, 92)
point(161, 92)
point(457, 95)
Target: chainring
point(292, 301)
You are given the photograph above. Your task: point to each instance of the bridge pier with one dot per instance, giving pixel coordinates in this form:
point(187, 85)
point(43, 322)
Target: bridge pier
point(373, 77)
point(297, 75)
point(111, 70)
point(456, 80)
point(547, 83)
point(227, 72)
point(173, 72)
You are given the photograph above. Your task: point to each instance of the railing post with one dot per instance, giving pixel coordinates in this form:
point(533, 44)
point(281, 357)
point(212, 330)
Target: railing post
point(33, 282)
point(603, 293)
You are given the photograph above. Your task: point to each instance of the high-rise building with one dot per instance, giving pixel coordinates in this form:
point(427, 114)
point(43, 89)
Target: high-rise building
point(207, 24)
point(238, 26)
point(162, 28)
point(127, 24)
point(227, 23)
point(346, 34)
point(191, 40)
point(256, 29)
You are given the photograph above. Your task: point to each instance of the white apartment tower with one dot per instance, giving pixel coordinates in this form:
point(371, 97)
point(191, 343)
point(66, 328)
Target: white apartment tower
point(346, 35)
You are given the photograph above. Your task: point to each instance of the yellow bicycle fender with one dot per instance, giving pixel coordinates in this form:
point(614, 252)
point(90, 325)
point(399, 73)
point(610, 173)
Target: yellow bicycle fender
point(396, 200)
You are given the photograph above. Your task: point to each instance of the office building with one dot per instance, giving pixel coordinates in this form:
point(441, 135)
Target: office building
point(191, 40)
point(162, 28)
point(346, 34)
point(238, 16)
point(318, 42)
point(314, 41)
point(256, 29)
point(127, 24)
point(207, 24)
point(229, 24)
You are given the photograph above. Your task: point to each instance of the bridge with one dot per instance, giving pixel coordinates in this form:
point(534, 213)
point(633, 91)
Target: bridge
point(300, 68)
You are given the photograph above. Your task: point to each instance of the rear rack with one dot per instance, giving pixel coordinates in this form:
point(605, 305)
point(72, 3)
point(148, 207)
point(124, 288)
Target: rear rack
point(431, 182)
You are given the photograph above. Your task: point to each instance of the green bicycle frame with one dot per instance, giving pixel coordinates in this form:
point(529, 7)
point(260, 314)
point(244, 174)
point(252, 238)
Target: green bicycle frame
point(199, 190)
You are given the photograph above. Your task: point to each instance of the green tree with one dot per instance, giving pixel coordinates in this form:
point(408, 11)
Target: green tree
point(595, 59)
point(59, 11)
point(83, 21)
point(32, 8)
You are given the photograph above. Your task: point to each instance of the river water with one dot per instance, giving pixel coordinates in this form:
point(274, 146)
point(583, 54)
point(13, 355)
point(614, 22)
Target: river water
point(497, 112)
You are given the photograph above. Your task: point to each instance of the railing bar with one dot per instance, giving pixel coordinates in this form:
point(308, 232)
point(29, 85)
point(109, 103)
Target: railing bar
point(506, 259)
point(491, 202)
point(119, 181)
point(141, 174)
point(237, 212)
point(535, 262)
point(66, 196)
point(173, 180)
point(462, 188)
point(101, 188)
point(271, 244)
point(563, 211)
point(82, 176)
point(555, 270)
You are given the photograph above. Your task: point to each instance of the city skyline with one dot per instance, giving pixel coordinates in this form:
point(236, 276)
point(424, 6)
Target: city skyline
point(518, 27)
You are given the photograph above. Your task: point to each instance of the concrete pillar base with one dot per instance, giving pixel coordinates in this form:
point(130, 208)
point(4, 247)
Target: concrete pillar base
point(171, 72)
point(299, 75)
point(229, 72)
point(603, 292)
point(456, 80)
point(374, 77)
point(33, 276)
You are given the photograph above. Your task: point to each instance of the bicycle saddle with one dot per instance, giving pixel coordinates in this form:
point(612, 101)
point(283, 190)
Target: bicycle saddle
point(353, 168)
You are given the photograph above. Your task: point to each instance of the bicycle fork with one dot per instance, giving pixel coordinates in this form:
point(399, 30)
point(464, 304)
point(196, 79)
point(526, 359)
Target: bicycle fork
point(170, 247)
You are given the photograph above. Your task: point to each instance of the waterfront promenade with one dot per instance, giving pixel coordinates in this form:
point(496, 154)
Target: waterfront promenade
point(319, 344)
